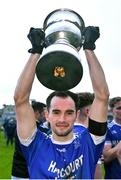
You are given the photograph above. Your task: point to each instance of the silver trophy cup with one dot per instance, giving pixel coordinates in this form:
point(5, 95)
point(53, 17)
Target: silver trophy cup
point(59, 67)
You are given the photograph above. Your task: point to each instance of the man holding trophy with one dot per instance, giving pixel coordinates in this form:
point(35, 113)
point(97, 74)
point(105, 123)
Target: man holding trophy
point(63, 155)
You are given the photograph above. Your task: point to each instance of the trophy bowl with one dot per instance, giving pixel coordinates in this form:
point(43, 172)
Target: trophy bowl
point(59, 67)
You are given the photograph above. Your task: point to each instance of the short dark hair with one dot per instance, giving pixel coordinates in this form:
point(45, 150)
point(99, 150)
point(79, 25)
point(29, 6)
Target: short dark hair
point(38, 106)
point(113, 101)
point(85, 99)
point(63, 94)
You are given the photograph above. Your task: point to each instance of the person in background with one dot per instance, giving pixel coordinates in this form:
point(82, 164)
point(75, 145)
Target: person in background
point(112, 148)
point(110, 114)
point(19, 166)
point(85, 100)
point(39, 111)
point(9, 129)
point(62, 155)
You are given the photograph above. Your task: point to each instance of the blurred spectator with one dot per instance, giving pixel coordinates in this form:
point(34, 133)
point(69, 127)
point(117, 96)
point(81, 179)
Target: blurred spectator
point(9, 129)
point(112, 148)
point(110, 114)
point(39, 111)
point(84, 104)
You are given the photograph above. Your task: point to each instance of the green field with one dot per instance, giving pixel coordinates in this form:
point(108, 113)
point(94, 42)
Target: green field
point(6, 155)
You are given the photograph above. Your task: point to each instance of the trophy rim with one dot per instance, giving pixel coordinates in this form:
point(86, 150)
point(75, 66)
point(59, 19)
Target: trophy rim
point(62, 9)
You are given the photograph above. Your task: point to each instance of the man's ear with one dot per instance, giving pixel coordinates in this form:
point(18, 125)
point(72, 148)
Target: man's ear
point(87, 111)
point(37, 114)
point(46, 115)
point(78, 114)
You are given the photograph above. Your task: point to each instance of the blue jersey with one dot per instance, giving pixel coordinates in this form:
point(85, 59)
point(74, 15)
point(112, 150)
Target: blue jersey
point(78, 128)
point(113, 168)
point(76, 159)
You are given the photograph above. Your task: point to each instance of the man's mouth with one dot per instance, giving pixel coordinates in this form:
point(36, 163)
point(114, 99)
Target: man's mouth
point(62, 125)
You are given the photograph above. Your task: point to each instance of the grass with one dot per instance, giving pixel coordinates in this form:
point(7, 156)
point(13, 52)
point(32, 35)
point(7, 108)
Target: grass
point(6, 156)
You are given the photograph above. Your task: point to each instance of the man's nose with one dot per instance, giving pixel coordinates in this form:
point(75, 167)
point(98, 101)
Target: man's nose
point(62, 118)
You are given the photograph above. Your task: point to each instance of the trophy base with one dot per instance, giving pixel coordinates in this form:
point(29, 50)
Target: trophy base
point(59, 70)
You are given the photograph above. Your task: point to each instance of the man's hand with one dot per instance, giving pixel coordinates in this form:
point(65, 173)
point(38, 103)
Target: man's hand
point(119, 156)
point(118, 153)
point(37, 39)
point(91, 34)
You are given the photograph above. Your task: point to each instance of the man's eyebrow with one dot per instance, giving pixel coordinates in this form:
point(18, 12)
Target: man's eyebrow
point(70, 110)
point(55, 110)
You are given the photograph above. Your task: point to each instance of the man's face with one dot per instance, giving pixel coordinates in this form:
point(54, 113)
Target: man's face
point(117, 110)
point(61, 115)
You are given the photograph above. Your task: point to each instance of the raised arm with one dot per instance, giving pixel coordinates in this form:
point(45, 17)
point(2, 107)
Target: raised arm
point(99, 108)
point(26, 123)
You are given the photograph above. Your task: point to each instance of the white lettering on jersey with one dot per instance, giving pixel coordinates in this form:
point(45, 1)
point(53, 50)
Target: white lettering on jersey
point(70, 168)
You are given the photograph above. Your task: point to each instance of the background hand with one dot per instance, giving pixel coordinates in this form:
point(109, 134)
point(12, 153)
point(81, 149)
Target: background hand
point(118, 153)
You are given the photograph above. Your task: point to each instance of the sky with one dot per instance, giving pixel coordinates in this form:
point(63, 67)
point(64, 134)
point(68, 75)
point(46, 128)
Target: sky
point(16, 18)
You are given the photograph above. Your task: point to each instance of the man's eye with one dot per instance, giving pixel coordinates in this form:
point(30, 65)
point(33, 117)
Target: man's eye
point(55, 112)
point(69, 113)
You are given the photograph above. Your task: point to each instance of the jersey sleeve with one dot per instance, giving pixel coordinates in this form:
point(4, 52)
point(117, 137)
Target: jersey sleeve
point(30, 149)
